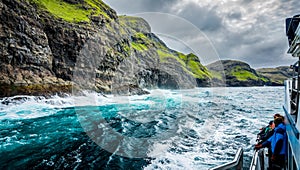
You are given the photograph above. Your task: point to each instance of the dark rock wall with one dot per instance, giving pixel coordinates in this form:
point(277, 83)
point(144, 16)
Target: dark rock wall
point(43, 54)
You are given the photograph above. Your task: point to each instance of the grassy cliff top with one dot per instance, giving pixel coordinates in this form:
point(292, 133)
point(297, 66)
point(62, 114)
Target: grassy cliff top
point(135, 23)
point(78, 11)
point(239, 70)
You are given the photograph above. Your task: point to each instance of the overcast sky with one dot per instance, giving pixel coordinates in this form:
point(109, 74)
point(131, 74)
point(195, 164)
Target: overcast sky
point(252, 31)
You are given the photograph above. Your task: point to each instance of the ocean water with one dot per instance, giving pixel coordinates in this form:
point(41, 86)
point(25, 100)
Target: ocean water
point(167, 129)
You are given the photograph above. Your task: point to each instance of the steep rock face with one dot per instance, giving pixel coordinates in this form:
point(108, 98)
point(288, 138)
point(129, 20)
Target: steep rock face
point(87, 46)
point(40, 50)
point(26, 58)
point(276, 75)
point(236, 73)
point(151, 63)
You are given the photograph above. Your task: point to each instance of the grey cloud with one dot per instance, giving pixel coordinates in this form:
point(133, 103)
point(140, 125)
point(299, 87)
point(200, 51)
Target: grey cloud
point(234, 15)
point(184, 31)
point(204, 18)
point(267, 55)
point(160, 4)
point(246, 1)
point(140, 6)
point(256, 37)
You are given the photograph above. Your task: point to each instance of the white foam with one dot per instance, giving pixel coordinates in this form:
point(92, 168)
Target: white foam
point(241, 116)
point(28, 107)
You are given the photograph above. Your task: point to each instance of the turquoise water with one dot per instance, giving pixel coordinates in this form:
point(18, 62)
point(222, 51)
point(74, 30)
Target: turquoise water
point(179, 129)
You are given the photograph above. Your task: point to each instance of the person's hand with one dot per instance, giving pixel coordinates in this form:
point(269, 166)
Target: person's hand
point(257, 146)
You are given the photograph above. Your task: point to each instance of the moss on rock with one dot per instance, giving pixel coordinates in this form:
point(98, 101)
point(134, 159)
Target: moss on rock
point(198, 70)
point(74, 12)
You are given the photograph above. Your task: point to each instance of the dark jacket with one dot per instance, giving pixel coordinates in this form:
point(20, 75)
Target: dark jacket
point(265, 134)
point(278, 140)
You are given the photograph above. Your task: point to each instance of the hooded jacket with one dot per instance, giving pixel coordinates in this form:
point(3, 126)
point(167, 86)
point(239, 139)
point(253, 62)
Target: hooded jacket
point(278, 140)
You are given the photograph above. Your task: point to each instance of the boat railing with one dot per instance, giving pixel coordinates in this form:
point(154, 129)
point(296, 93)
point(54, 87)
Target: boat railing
point(236, 163)
point(255, 163)
point(259, 160)
point(292, 123)
point(291, 108)
point(293, 86)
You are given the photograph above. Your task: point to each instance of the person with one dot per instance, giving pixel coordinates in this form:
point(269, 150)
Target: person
point(264, 135)
point(278, 143)
point(265, 132)
point(278, 115)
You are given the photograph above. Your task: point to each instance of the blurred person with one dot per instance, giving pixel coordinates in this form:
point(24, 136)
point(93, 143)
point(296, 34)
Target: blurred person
point(278, 144)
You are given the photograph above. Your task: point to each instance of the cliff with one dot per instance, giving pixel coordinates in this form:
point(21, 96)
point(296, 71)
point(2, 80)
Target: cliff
point(64, 46)
point(276, 75)
point(236, 73)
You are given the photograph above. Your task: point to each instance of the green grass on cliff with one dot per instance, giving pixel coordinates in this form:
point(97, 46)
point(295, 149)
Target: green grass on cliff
point(139, 46)
point(198, 70)
point(144, 41)
point(182, 56)
point(141, 42)
point(73, 12)
point(141, 36)
point(193, 64)
point(243, 75)
point(131, 19)
point(163, 56)
point(190, 66)
point(130, 22)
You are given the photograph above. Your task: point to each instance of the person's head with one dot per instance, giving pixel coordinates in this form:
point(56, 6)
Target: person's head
point(277, 121)
point(272, 124)
point(278, 115)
